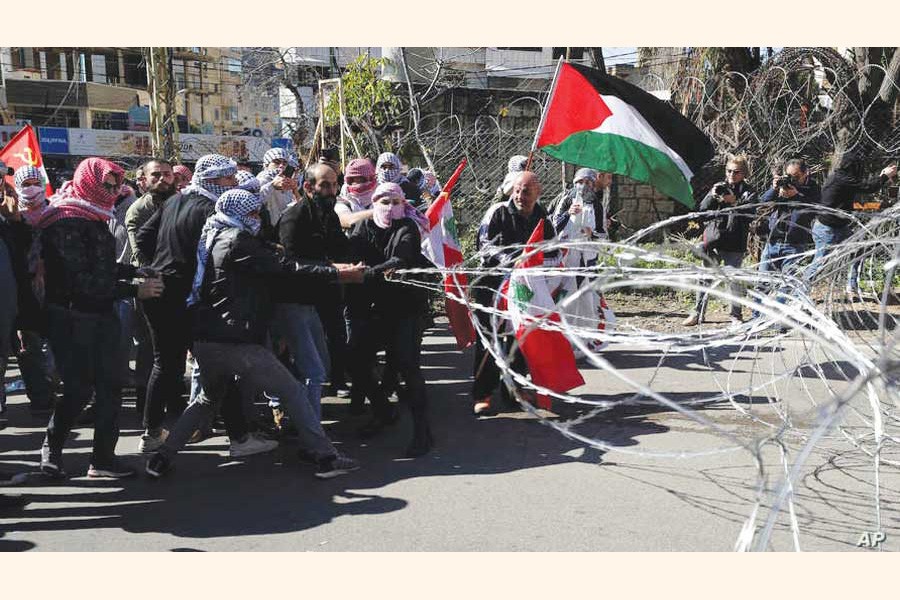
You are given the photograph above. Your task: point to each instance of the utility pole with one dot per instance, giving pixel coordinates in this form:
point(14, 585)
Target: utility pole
point(163, 116)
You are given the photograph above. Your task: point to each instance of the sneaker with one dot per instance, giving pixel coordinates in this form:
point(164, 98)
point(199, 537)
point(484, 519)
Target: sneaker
point(51, 463)
point(12, 501)
point(335, 466)
point(692, 319)
point(306, 457)
point(253, 444)
point(152, 440)
point(343, 393)
point(484, 409)
point(116, 470)
point(158, 465)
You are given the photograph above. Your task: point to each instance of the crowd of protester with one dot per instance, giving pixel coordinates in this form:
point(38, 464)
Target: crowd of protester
point(276, 289)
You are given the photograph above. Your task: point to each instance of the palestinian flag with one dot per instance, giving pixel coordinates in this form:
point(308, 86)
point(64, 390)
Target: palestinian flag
point(596, 120)
point(531, 305)
point(441, 246)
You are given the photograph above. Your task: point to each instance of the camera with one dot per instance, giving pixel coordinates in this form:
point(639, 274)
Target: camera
point(721, 189)
point(784, 182)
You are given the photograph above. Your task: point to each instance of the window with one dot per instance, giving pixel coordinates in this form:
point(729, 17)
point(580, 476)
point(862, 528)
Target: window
point(519, 49)
point(233, 65)
point(215, 114)
point(231, 113)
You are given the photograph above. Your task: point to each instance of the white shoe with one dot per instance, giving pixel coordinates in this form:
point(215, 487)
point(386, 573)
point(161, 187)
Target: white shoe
point(151, 443)
point(252, 445)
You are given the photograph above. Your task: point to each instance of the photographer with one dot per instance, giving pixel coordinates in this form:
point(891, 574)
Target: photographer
point(847, 181)
point(725, 235)
point(789, 225)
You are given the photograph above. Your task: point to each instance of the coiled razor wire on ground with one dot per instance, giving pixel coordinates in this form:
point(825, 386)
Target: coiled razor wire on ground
point(821, 361)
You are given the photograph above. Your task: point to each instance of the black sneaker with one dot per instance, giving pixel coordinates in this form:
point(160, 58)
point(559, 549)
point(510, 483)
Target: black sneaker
point(115, 470)
point(12, 501)
point(306, 457)
point(158, 465)
point(335, 467)
point(51, 463)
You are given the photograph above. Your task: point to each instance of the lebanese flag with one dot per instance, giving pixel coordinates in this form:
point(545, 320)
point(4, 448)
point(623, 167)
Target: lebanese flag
point(548, 353)
point(441, 246)
point(24, 150)
point(596, 120)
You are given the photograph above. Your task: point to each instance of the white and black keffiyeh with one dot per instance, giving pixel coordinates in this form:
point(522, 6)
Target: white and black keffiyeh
point(210, 166)
point(232, 211)
point(390, 175)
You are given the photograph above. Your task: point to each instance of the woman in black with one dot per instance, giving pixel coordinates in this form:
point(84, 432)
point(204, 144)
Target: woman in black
point(389, 312)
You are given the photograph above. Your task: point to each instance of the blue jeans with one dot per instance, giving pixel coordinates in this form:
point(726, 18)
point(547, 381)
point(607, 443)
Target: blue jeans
point(824, 237)
point(301, 328)
point(779, 257)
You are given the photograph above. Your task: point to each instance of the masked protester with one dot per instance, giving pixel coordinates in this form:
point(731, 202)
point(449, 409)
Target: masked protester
point(171, 236)
point(231, 298)
point(278, 190)
point(31, 348)
point(183, 177)
point(355, 201)
point(384, 312)
point(83, 280)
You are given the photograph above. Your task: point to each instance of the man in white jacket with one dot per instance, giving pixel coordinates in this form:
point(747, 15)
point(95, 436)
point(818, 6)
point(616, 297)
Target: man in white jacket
point(277, 190)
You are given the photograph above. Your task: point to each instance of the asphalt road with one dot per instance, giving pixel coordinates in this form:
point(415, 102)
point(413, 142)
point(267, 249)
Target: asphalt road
point(505, 483)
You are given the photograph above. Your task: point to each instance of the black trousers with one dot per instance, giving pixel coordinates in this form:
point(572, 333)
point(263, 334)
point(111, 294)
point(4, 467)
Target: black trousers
point(170, 333)
point(331, 313)
point(85, 347)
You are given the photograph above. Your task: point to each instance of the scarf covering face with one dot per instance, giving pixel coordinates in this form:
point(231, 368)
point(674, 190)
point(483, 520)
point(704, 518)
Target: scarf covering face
point(247, 182)
point(182, 173)
point(32, 198)
point(392, 174)
point(232, 211)
point(585, 173)
point(210, 166)
point(385, 214)
point(85, 196)
point(360, 194)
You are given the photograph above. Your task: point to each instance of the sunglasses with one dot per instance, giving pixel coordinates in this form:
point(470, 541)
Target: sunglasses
point(737, 171)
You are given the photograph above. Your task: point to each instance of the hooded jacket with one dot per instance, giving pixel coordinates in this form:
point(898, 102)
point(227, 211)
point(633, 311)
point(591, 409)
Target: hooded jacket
point(847, 181)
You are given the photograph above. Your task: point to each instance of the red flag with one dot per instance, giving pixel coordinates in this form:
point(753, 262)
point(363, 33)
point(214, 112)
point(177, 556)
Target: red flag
point(547, 352)
point(441, 246)
point(24, 150)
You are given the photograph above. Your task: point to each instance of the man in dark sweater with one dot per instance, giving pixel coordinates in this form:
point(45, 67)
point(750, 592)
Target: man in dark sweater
point(511, 224)
point(170, 236)
point(830, 228)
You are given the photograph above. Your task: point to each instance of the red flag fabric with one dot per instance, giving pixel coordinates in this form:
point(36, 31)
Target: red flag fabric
point(441, 246)
point(24, 150)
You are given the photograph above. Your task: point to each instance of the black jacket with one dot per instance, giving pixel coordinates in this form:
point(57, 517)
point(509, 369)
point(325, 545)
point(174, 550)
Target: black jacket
point(80, 268)
point(172, 234)
point(789, 223)
point(728, 232)
point(397, 247)
point(509, 227)
point(310, 232)
point(847, 181)
point(236, 298)
point(18, 237)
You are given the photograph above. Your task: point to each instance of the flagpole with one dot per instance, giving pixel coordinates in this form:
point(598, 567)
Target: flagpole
point(540, 127)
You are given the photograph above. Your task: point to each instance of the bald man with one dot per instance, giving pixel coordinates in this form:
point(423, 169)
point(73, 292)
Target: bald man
point(311, 319)
point(510, 224)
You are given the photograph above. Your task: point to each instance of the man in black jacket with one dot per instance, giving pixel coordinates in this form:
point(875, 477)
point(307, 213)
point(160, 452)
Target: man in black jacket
point(231, 299)
point(170, 236)
point(725, 235)
point(848, 181)
point(511, 224)
point(310, 232)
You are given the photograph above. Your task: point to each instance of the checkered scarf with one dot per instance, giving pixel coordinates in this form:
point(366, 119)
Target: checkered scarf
point(232, 210)
point(274, 154)
point(85, 196)
point(210, 166)
point(391, 175)
point(516, 164)
point(247, 182)
point(183, 171)
point(32, 206)
point(585, 173)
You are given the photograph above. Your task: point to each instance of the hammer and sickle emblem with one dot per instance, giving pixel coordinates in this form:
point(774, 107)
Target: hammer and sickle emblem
point(26, 157)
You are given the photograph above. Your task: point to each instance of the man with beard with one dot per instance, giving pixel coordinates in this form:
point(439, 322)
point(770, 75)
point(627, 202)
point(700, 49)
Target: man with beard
point(310, 232)
point(159, 181)
point(171, 236)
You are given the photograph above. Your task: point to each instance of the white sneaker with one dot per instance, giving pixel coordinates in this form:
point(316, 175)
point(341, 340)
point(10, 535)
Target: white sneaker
point(150, 442)
point(252, 445)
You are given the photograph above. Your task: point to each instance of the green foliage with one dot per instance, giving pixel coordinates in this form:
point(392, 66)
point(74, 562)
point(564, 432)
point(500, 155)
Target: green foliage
point(366, 96)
